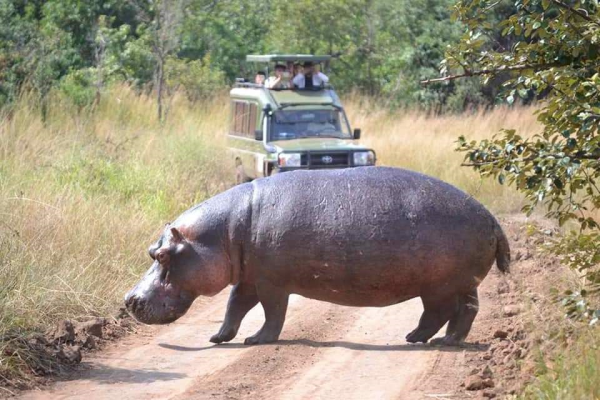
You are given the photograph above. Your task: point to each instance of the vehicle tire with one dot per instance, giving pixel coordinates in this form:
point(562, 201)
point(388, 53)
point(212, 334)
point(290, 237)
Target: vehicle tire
point(240, 175)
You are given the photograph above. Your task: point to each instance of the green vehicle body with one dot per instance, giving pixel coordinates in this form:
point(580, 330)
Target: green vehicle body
point(256, 115)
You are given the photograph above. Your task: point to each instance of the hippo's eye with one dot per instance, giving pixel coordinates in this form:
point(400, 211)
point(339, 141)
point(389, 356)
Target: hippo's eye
point(162, 257)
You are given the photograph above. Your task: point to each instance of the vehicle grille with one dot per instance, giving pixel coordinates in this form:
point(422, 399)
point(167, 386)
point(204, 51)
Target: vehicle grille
point(326, 160)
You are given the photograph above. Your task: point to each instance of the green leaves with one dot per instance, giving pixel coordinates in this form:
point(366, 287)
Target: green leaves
point(558, 167)
point(553, 54)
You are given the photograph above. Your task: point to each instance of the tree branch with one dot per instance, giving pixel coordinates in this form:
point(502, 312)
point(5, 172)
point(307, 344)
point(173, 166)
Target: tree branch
point(519, 67)
point(578, 12)
point(531, 158)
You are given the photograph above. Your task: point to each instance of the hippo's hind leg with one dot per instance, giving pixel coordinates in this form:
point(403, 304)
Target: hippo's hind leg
point(437, 311)
point(242, 299)
point(274, 301)
point(461, 322)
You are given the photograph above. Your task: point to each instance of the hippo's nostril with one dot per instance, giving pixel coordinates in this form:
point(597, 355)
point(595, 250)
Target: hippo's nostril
point(139, 305)
point(134, 304)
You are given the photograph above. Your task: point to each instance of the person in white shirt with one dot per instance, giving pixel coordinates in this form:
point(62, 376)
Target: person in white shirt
point(280, 80)
point(310, 78)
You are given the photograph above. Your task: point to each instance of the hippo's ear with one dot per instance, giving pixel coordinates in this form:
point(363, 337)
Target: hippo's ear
point(153, 248)
point(177, 236)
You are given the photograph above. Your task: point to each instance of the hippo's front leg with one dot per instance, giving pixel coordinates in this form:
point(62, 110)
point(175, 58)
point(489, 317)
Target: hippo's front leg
point(242, 299)
point(274, 301)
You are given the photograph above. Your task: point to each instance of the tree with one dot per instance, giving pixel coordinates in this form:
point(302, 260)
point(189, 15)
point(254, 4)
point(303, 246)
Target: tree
point(553, 54)
point(226, 31)
point(162, 19)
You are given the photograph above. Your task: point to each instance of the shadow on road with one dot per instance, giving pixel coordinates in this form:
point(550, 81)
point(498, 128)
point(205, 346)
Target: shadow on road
point(470, 347)
point(111, 375)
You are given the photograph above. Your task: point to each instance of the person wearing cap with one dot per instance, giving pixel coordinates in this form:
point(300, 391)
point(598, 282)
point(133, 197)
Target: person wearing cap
point(279, 81)
point(310, 78)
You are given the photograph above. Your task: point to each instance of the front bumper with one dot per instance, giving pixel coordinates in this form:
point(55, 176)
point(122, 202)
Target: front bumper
point(326, 160)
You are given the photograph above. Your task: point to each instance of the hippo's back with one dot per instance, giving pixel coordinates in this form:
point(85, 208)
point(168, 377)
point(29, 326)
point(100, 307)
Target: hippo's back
point(385, 232)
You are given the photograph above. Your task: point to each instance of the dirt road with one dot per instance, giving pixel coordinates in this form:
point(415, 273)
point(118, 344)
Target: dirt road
point(326, 351)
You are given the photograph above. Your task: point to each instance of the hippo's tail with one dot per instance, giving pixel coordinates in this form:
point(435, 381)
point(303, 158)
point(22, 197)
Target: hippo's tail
point(502, 249)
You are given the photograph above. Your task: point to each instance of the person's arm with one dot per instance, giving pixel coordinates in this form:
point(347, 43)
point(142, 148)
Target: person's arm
point(324, 78)
point(273, 83)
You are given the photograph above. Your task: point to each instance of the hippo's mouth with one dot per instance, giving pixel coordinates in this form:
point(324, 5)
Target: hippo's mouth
point(159, 309)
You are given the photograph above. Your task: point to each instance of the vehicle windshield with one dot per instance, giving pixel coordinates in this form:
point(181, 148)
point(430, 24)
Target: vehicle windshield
point(297, 124)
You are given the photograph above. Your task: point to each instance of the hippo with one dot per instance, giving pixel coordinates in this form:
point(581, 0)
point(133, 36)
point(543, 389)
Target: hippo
point(362, 237)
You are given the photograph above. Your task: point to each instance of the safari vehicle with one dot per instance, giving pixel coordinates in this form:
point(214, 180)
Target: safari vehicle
point(278, 130)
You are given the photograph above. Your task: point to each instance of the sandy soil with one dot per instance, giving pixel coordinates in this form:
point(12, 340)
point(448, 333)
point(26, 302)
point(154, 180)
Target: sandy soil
point(325, 351)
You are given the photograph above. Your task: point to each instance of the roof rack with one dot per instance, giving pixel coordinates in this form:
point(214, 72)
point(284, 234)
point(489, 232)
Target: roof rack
point(286, 57)
point(252, 85)
point(248, 85)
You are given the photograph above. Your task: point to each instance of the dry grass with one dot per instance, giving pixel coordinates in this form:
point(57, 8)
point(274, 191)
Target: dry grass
point(83, 193)
point(419, 142)
point(569, 371)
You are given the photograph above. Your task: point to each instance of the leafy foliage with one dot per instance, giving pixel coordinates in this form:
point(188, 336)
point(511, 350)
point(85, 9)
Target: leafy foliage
point(553, 54)
point(581, 252)
point(382, 47)
point(196, 78)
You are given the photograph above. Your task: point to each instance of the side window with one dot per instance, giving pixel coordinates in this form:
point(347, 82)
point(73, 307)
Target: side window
point(252, 119)
point(243, 118)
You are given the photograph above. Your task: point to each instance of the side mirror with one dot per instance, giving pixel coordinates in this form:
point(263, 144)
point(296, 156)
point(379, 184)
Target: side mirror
point(356, 134)
point(258, 134)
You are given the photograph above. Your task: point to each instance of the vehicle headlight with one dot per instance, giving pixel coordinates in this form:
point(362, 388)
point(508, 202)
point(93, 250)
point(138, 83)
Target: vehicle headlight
point(364, 158)
point(290, 159)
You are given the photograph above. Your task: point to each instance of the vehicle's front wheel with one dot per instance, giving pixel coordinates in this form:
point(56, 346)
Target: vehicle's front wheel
point(240, 175)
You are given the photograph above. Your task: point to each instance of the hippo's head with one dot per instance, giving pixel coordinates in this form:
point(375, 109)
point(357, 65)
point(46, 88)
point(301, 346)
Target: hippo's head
point(182, 270)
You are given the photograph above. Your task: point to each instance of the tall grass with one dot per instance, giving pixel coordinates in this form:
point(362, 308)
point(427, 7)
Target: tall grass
point(83, 192)
point(424, 143)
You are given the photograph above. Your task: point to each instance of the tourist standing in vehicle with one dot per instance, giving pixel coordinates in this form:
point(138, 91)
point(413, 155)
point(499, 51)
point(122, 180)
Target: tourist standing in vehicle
point(310, 78)
point(279, 81)
point(260, 77)
point(297, 70)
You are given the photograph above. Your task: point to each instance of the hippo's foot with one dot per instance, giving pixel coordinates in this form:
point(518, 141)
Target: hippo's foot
point(257, 339)
point(418, 335)
point(448, 340)
point(221, 337)
point(261, 337)
point(226, 333)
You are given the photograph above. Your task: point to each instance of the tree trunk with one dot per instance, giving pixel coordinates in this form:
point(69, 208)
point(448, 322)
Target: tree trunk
point(160, 81)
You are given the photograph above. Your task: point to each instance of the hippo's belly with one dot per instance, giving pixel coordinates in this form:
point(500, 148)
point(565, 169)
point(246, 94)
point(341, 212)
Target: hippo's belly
point(344, 270)
point(368, 239)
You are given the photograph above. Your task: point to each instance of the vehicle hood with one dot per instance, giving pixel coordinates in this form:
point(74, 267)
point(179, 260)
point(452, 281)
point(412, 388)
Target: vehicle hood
point(313, 144)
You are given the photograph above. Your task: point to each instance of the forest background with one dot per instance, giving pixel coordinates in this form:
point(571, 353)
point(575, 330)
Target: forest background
point(381, 47)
